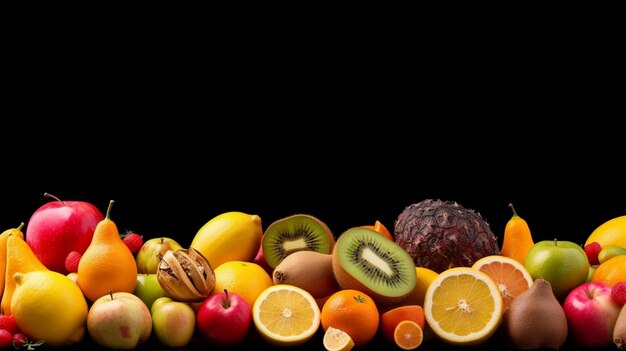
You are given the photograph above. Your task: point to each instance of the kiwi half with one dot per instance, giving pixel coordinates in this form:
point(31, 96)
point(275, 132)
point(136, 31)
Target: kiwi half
point(367, 261)
point(297, 232)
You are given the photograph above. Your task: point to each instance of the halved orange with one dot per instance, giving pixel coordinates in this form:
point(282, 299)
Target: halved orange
point(337, 340)
point(510, 275)
point(408, 335)
point(286, 315)
point(463, 306)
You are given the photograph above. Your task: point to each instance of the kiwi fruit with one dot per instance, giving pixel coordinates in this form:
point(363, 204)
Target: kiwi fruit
point(309, 270)
point(367, 261)
point(298, 232)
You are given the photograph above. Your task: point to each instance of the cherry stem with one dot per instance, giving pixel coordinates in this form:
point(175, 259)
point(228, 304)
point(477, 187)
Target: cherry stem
point(109, 209)
point(54, 197)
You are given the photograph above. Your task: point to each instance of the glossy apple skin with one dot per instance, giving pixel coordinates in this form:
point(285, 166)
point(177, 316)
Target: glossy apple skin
point(591, 314)
point(224, 320)
point(59, 227)
point(148, 288)
point(260, 260)
point(173, 322)
point(147, 257)
point(120, 322)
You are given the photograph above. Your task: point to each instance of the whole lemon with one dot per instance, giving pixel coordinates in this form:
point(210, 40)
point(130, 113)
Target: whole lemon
point(611, 232)
point(424, 277)
point(246, 279)
point(230, 236)
point(49, 306)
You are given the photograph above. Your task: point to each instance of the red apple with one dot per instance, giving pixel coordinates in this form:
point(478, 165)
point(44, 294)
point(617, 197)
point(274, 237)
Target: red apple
point(173, 322)
point(59, 227)
point(224, 318)
point(260, 260)
point(591, 314)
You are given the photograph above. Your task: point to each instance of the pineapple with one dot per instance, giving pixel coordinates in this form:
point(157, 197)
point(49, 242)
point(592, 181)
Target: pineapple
point(442, 234)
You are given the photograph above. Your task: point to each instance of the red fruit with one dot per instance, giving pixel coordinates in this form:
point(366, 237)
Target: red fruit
point(71, 261)
point(592, 250)
point(7, 322)
point(133, 241)
point(618, 293)
point(6, 338)
point(19, 340)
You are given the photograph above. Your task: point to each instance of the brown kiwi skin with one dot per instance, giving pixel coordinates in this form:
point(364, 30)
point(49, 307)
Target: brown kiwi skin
point(309, 270)
point(619, 331)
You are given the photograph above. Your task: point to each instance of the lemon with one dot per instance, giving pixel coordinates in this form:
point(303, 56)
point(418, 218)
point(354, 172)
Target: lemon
point(337, 340)
point(424, 277)
point(286, 315)
point(246, 279)
point(611, 232)
point(230, 236)
point(49, 306)
point(463, 306)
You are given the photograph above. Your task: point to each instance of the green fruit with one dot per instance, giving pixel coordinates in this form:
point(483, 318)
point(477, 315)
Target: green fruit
point(297, 232)
point(367, 261)
point(563, 264)
point(148, 288)
point(610, 251)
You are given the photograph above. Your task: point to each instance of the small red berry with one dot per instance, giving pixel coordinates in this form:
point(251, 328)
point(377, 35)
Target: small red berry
point(72, 260)
point(6, 338)
point(133, 241)
point(7, 322)
point(618, 293)
point(592, 250)
point(19, 340)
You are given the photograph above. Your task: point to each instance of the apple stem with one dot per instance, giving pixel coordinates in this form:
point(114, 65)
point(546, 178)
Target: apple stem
point(54, 197)
point(555, 242)
point(226, 302)
point(111, 294)
point(109, 209)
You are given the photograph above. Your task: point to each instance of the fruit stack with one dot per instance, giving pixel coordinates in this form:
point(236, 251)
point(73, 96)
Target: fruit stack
point(439, 276)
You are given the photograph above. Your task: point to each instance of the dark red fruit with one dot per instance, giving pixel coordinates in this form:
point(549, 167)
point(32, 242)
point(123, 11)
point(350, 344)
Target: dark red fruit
point(6, 338)
point(7, 322)
point(72, 260)
point(618, 293)
point(133, 241)
point(19, 340)
point(592, 250)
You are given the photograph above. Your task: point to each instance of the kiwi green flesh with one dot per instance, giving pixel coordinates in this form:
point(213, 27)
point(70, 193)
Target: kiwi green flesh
point(377, 262)
point(295, 233)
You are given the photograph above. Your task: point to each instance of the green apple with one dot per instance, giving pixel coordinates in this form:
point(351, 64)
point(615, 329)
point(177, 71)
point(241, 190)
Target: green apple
point(563, 264)
point(148, 288)
point(173, 322)
point(148, 256)
point(119, 321)
point(592, 270)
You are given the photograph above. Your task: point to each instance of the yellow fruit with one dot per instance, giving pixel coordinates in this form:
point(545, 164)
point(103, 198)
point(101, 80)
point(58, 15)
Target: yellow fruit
point(611, 271)
point(463, 306)
point(49, 306)
point(246, 279)
point(611, 232)
point(230, 236)
point(337, 340)
point(517, 238)
point(285, 315)
point(3, 251)
point(424, 277)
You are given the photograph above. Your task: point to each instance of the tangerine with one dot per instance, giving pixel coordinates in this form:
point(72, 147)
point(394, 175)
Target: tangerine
point(380, 228)
point(611, 271)
point(354, 312)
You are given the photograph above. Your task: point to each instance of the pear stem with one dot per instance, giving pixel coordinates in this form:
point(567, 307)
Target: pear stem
point(109, 209)
point(21, 226)
point(554, 241)
point(54, 197)
point(512, 209)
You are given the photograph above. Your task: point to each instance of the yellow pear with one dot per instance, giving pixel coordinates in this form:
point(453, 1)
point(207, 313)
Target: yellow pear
point(19, 258)
point(3, 250)
point(107, 265)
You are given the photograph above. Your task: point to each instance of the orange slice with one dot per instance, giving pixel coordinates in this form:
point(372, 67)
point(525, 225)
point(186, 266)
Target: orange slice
point(286, 315)
point(408, 335)
point(510, 275)
point(337, 340)
point(463, 306)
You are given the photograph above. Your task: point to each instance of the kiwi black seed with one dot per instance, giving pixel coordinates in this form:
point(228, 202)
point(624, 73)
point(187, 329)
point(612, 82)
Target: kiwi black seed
point(367, 261)
point(297, 232)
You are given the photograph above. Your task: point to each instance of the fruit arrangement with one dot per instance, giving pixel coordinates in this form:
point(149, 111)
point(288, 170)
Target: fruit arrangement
point(438, 278)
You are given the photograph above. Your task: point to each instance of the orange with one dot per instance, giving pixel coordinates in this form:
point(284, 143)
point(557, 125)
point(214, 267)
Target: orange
point(380, 228)
point(354, 312)
point(463, 306)
point(408, 335)
point(246, 279)
point(517, 239)
point(510, 275)
point(611, 271)
point(337, 340)
point(389, 320)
